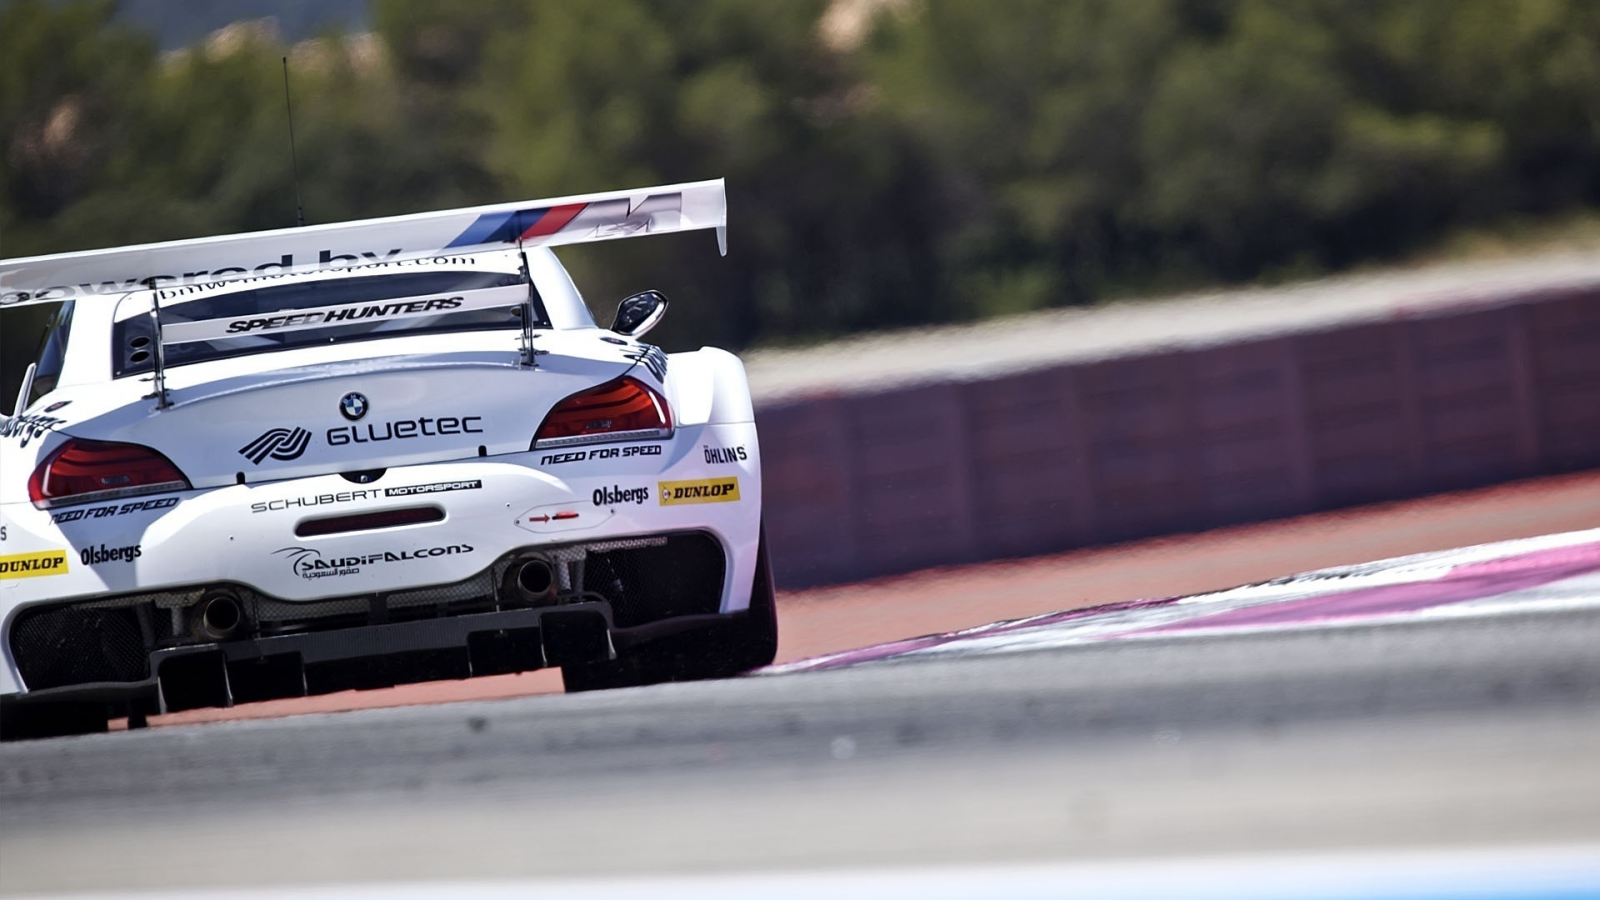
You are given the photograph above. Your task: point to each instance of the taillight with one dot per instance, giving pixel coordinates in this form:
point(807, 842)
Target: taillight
point(81, 471)
point(621, 410)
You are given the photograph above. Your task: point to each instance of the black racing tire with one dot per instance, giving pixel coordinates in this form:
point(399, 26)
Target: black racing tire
point(27, 721)
point(729, 649)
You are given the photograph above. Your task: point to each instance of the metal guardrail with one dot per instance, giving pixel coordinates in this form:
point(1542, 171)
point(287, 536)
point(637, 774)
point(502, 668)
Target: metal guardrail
point(880, 482)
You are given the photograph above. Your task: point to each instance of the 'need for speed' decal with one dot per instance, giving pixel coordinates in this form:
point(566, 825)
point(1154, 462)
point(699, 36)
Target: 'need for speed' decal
point(33, 565)
point(704, 490)
point(115, 509)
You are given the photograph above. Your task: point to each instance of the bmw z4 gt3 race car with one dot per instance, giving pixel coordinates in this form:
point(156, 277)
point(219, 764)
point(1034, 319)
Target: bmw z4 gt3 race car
point(367, 454)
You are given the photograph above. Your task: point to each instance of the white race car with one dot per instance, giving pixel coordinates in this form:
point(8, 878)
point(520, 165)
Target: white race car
point(367, 454)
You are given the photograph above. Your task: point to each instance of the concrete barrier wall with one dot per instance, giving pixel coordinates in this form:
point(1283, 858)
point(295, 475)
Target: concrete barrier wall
point(871, 484)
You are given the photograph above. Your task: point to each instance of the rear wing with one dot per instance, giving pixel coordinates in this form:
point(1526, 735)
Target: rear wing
point(563, 220)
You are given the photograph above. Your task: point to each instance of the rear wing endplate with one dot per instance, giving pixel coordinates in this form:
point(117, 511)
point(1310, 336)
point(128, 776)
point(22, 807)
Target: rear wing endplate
point(563, 220)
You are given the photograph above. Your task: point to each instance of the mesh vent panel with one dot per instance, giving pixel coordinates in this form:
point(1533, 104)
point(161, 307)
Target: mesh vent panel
point(66, 645)
point(678, 578)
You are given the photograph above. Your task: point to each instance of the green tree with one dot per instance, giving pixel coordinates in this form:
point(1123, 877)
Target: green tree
point(831, 222)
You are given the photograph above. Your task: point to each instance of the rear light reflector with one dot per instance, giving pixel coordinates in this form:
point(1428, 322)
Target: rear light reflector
point(389, 518)
point(622, 410)
point(84, 471)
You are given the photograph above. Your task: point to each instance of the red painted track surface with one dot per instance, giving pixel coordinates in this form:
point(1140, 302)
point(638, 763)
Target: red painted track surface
point(839, 618)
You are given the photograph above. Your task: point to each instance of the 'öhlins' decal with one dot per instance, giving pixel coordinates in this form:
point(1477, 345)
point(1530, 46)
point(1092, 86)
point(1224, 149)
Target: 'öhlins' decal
point(33, 565)
point(706, 490)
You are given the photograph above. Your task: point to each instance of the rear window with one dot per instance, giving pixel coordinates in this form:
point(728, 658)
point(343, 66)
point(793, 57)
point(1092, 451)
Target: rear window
point(133, 348)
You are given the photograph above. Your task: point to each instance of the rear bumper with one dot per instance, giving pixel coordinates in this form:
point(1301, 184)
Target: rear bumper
point(257, 539)
point(297, 665)
point(601, 597)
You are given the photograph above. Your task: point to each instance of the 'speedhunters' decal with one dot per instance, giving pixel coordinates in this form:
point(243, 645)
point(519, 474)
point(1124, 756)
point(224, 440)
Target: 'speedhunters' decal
point(33, 565)
point(705, 490)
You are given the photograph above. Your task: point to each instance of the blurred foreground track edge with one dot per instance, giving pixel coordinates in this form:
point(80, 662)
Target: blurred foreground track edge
point(1441, 733)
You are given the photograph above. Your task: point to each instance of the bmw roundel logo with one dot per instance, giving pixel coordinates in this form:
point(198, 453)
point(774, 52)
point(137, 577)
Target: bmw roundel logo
point(353, 405)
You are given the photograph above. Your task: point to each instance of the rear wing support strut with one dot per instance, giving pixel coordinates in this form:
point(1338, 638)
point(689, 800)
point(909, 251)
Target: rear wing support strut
point(159, 368)
point(530, 355)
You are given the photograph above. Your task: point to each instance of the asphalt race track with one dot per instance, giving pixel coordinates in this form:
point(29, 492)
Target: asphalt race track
point(1471, 727)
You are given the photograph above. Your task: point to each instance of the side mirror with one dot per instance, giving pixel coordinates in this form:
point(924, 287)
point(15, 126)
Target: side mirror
point(639, 313)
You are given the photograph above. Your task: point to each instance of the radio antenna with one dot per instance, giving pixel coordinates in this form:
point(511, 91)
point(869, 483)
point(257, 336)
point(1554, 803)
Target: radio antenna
point(294, 161)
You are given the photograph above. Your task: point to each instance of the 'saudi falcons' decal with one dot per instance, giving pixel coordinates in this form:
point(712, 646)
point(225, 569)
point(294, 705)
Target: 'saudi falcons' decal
point(279, 443)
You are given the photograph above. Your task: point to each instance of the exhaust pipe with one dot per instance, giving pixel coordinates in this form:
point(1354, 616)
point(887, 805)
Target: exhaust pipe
point(218, 616)
point(534, 581)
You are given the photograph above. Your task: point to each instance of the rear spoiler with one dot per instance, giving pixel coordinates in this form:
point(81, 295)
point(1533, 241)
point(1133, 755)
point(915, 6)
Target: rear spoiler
point(563, 220)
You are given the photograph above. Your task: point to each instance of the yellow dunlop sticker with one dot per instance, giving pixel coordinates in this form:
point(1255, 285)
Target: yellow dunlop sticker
point(707, 490)
point(31, 565)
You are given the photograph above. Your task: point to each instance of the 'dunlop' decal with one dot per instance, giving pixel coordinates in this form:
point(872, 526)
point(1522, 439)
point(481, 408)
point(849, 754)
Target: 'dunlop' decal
point(706, 490)
point(33, 565)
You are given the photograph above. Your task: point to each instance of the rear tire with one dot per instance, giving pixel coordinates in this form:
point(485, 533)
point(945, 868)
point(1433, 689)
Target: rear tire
point(27, 721)
point(748, 642)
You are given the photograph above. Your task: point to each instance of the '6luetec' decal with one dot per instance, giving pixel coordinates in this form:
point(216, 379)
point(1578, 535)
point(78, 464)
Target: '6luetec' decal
point(290, 444)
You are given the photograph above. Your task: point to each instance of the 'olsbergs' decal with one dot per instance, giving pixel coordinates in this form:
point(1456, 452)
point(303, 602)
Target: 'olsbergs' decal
point(94, 556)
point(617, 495)
point(703, 490)
point(310, 563)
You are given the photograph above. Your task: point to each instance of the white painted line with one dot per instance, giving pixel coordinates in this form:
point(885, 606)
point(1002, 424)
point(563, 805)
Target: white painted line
point(1498, 873)
point(1142, 622)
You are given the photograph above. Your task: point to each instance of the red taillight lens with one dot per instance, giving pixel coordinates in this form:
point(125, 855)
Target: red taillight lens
point(620, 410)
point(81, 471)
